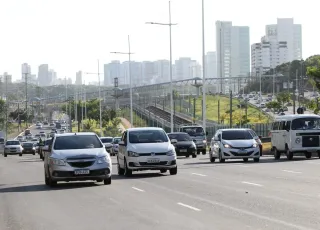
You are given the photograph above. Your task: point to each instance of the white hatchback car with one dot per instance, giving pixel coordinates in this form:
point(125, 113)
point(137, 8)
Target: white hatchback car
point(12, 147)
point(146, 149)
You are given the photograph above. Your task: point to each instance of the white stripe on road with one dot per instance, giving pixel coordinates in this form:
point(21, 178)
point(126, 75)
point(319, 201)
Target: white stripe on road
point(250, 183)
point(289, 171)
point(198, 174)
point(190, 207)
point(138, 189)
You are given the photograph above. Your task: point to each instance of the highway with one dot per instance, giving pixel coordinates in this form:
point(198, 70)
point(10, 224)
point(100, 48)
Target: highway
point(234, 195)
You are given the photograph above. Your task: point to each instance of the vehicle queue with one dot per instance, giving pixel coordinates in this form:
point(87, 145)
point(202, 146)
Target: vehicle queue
point(85, 156)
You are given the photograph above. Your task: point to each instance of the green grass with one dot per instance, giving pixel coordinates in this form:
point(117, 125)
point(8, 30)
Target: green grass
point(254, 114)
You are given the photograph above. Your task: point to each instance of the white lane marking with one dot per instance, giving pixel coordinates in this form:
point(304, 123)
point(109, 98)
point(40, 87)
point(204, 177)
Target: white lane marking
point(138, 189)
point(188, 206)
point(250, 183)
point(289, 171)
point(198, 174)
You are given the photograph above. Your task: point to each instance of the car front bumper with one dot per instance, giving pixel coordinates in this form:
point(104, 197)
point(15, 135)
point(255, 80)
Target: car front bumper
point(237, 154)
point(10, 152)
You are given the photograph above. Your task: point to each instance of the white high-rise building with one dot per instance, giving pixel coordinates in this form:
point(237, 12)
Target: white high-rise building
point(282, 43)
point(233, 54)
point(183, 68)
point(111, 71)
point(25, 69)
point(78, 78)
point(43, 75)
point(211, 64)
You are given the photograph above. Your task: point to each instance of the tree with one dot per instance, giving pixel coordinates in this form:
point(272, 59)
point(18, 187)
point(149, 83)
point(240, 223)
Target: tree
point(283, 97)
point(273, 105)
point(313, 70)
point(2, 114)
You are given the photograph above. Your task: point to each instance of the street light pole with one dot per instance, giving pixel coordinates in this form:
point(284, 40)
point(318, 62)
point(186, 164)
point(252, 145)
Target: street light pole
point(170, 24)
point(204, 105)
point(130, 78)
point(6, 105)
point(100, 112)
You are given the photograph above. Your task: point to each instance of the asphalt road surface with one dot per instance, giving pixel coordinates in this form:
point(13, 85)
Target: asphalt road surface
point(234, 195)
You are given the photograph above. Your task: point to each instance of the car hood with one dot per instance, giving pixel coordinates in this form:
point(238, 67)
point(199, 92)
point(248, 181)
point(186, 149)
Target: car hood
point(12, 146)
point(150, 147)
point(61, 154)
point(107, 145)
point(239, 143)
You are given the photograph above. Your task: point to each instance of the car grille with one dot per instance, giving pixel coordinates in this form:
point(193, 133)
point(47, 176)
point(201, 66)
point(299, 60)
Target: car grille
point(148, 164)
point(79, 164)
point(154, 154)
point(310, 141)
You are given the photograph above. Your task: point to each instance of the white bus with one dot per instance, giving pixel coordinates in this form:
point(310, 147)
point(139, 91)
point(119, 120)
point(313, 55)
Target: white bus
point(295, 134)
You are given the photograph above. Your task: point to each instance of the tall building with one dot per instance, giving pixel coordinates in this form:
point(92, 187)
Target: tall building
point(43, 75)
point(233, 54)
point(25, 69)
point(78, 78)
point(148, 73)
point(211, 64)
point(162, 70)
point(111, 71)
point(184, 68)
point(6, 78)
point(282, 43)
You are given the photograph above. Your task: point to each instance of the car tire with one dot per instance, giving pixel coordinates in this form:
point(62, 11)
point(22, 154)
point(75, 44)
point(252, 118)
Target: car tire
point(318, 153)
point(120, 170)
point(221, 160)
point(33, 154)
point(289, 154)
point(5, 155)
point(276, 153)
point(187, 156)
point(127, 171)
point(107, 181)
point(48, 180)
point(212, 159)
point(198, 152)
point(308, 155)
point(256, 159)
point(194, 155)
point(20, 154)
point(174, 171)
point(204, 152)
point(163, 170)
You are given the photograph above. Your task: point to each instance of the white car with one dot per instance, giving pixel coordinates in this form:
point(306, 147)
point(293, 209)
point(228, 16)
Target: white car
point(12, 147)
point(146, 149)
point(107, 141)
point(39, 126)
point(234, 144)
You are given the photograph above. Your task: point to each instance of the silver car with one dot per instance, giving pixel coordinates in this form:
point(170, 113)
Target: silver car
point(12, 147)
point(77, 157)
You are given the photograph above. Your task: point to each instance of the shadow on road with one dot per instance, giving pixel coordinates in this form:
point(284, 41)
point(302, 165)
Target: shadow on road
point(43, 187)
point(138, 176)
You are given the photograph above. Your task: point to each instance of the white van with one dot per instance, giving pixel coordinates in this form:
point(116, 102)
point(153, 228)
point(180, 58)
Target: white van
point(146, 149)
point(295, 134)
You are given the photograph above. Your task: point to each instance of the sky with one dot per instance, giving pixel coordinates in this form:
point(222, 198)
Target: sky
point(71, 35)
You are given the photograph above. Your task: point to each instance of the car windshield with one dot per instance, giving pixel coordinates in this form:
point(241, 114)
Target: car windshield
point(77, 142)
point(305, 123)
point(236, 135)
point(12, 143)
point(106, 140)
point(193, 131)
point(180, 137)
point(27, 145)
point(116, 140)
point(147, 136)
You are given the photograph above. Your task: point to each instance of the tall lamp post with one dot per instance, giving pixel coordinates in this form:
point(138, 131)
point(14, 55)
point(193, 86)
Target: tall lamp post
point(204, 106)
point(100, 110)
point(130, 79)
point(170, 38)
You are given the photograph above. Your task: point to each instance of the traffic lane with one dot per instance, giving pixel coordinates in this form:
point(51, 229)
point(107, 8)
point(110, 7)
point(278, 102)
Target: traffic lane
point(87, 205)
point(246, 205)
point(298, 177)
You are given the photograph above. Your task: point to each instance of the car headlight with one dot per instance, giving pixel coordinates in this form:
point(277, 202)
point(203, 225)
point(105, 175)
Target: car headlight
point(204, 141)
point(102, 160)
point(227, 146)
point(298, 140)
point(59, 162)
point(133, 154)
point(171, 153)
point(255, 145)
point(193, 146)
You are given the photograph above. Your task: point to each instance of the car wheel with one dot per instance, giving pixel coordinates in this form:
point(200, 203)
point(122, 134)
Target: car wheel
point(194, 155)
point(5, 155)
point(48, 180)
point(221, 160)
point(33, 154)
point(198, 152)
point(256, 159)
point(174, 171)
point(289, 154)
point(163, 170)
point(127, 171)
point(245, 159)
point(187, 156)
point(20, 154)
point(318, 154)
point(308, 155)
point(212, 159)
point(276, 153)
point(107, 181)
point(120, 170)
point(204, 152)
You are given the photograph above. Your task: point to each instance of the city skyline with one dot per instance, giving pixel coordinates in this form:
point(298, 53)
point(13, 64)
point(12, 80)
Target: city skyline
point(70, 42)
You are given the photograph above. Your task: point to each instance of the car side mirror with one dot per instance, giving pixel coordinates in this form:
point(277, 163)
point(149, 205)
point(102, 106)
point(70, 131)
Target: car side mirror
point(174, 141)
point(260, 137)
point(216, 139)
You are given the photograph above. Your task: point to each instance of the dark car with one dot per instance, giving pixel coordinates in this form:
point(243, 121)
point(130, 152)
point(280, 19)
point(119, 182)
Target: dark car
point(28, 148)
point(184, 146)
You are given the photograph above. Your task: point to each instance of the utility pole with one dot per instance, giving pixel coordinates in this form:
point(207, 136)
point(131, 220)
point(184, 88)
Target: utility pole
point(230, 108)
point(26, 84)
point(6, 105)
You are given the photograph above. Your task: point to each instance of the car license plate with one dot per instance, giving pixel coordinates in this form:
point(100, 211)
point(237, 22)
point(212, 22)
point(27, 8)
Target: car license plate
point(242, 152)
point(153, 160)
point(82, 172)
point(183, 150)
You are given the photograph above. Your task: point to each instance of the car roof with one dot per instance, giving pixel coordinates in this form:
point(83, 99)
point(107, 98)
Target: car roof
point(27, 142)
point(178, 133)
point(105, 137)
point(76, 134)
point(235, 129)
point(144, 128)
point(12, 140)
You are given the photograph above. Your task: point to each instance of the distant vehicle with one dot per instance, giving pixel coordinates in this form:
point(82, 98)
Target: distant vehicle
point(45, 123)
point(197, 133)
point(20, 138)
point(37, 136)
point(58, 125)
point(1, 140)
point(52, 124)
point(12, 147)
point(183, 143)
point(62, 131)
point(27, 132)
point(28, 148)
point(115, 142)
point(234, 144)
point(39, 126)
point(107, 141)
